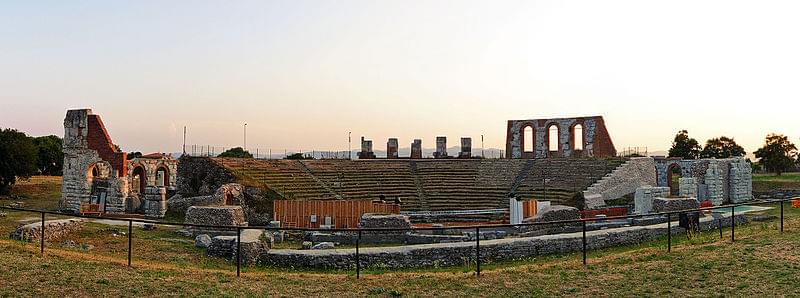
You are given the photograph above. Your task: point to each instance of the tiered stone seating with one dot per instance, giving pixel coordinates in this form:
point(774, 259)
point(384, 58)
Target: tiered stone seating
point(450, 184)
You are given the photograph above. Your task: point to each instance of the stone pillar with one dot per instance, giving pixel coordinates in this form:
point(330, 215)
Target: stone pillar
point(416, 149)
point(366, 149)
point(441, 147)
point(155, 201)
point(466, 148)
point(741, 181)
point(714, 181)
point(687, 187)
point(391, 148)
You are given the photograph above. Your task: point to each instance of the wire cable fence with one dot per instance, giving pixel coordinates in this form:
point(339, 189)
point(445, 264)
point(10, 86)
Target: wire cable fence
point(477, 254)
point(276, 153)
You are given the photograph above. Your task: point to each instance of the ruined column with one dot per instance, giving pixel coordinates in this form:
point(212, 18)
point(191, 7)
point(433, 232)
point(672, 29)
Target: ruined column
point(466, 148)
point(366, 149)
point(391, 148)
point(441, 147)
point(416, 149)
point(155, 201)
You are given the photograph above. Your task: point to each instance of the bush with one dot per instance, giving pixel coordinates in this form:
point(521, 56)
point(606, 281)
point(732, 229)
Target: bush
point(18, 158)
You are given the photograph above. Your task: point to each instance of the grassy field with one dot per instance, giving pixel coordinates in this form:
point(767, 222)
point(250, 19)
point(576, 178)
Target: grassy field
point(761, 262)
point(772, 182)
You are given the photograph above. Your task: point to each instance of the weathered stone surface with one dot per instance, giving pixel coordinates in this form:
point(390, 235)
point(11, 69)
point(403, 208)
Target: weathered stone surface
point(184, 233)
point(384, 221)
point(53, 230)
point(323, 245)
point(674, 204)
point(307, 244)
point(718, 180)
point(200, 176)
point(635, 173)
point(595, 137)
point(687, 187)
point(644, 196)
point(253, 244)
point(458, 254)
point(202, 241)
point(215, 216)
point(555, 213)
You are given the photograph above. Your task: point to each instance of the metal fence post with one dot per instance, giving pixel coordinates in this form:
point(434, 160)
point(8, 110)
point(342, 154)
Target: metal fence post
point(238, 250)
point(358, 256)
point(130, 240)
point(478, 250)
point(781, 216)
point(584, 242)
point(733, 224)
point(719, 224)
point(669, 232)
point(42, 235)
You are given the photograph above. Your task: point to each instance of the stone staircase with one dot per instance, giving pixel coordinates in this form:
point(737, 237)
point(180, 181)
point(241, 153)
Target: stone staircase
point(624, 180)
point(323, 184)
point(423, 202)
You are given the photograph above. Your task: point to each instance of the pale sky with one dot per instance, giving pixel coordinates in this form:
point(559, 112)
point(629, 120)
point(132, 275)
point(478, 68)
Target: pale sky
point(304, 73)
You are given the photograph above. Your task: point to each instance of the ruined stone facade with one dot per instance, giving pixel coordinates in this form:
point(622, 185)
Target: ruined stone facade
point(392, 148)
point(580, 136)
point(721, 181)
point(441, 148)
point(366, 150)
point(416, 149)
point(95, 172)
point(466, 148)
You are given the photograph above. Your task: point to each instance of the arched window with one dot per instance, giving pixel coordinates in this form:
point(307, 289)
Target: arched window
point(577, 137)
point(162, 177)
point(552, 136)
point(528, 138)
point(139, 179)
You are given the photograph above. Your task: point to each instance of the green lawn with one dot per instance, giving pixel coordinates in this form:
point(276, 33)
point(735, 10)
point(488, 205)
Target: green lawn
point(772, 182)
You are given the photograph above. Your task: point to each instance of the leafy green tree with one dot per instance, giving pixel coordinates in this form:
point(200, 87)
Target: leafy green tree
point(684, 147)
point(18, 158)
point(777, 155)
point(237, 152)
point(722, 147)
point(50, 155)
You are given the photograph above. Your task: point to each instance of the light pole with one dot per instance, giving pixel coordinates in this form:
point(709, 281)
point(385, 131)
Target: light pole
point(482, 154)
point(245, 136)
point(349, 146)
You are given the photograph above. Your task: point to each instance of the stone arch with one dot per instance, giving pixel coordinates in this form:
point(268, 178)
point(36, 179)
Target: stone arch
point(139, 174)
point(527, 143)
point(165, 177)
point(577, 138)
point(550, 136)
point(673, 187)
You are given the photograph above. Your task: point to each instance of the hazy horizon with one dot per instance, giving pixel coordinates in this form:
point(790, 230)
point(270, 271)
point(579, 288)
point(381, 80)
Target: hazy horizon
point(302, 74)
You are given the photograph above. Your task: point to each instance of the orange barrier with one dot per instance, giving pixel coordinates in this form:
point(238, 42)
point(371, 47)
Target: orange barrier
point(796, 203)
point(529, 208)
point(614, 211)
point(90, 209)
point(312, 214)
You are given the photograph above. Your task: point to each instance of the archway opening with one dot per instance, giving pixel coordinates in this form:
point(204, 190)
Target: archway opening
point(577, 137)
point(162, 177)
point(674, 173)
point(139, 180)
point(527, 145)
point(552, 137)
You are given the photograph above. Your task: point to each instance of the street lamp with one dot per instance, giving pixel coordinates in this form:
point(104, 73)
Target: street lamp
point(245, 136)
point(349, 146)
point(482, 154)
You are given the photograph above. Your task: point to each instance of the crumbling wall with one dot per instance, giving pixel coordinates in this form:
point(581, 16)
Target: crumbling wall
point(596, 140)
point(718, 180)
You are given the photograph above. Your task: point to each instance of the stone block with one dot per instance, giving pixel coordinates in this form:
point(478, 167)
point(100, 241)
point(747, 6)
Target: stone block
point(216, 216)
point(674, 204)
point(644, 196)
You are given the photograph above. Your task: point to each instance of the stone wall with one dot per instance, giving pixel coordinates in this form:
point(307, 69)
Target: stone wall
point(643, 199)
point(215, 216)
point(53, 230)
point(674, 204)
point(718, 180)
point(155, 202)
point(596, 140)
point(463, 253)
point(201, 176)
point(687, 187)
point(625, 179)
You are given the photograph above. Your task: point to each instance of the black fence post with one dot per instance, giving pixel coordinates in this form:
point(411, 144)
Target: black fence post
point(130, 240)
point(669, 232)
point(238, 250)
point(358, 255)
point(584, 242)
point(719, 224)
point(781, 216)
point(478, 250)
point(733, 224)
point(41, 243)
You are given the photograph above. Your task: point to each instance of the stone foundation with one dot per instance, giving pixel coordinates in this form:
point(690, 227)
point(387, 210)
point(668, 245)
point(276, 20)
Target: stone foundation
point(674, 204)
point(53, 230)
point(216, 216)
point(644, 196)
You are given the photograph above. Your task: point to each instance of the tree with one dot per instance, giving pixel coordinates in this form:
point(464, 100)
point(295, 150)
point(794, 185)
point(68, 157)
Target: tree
point(237, 152)
point(684, 147)
point(132, 155)
point(777, 155)
point(50, 155)
point(18, 158)
point(722, 147)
